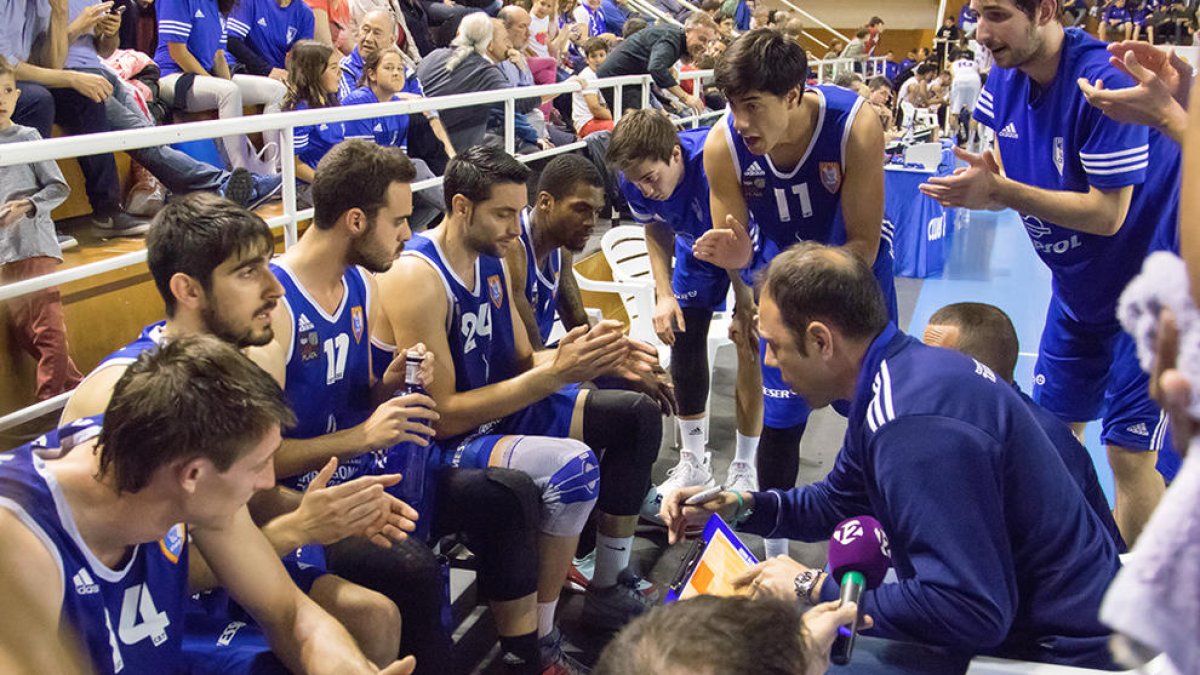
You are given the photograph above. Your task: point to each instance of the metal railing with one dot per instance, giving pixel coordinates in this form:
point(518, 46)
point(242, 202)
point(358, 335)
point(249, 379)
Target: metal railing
point(113, 141)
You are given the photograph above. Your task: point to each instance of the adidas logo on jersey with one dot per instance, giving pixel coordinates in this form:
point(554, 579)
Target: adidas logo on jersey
point(198, 15)
point(755, 171)
point(84, 584)
point(262, 21)
point(378, 128)
point(1009, 131)
point(1138, 429)
point(304, 324)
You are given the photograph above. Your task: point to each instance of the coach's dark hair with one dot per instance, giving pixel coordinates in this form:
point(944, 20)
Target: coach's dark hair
point(356, 174)
point(1030, 7)
point(474, 171)
point(563, 175)
point(193, 397)
point(195, 233)
point(810, 282)
point(714, 635)
point(763, 59)
point(984, 332)
point(642, 135)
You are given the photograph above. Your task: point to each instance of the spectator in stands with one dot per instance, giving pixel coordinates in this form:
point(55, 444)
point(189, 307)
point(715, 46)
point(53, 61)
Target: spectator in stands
point(313, 83)
point(71, 98)
point(655, 51)
point(386, 78)
point(588, 110)
point(945, 39)
point(179, 172)
point(727, 636)
point(548, 39)
point(794, 28)
point(331, 23)
point(1074, 12)
point(196, 76)
point(590, 13)
point(376, 30)
point(1181, 21)
point(910, 60)
point(724, 24)
point(857, 49)
point(880, 97)
point(468, 67)
point(986, 334)
point(29, 248)
point(968, 19)
point(836, 47)
point(414, 34)
point(633, 25)
point(874, 32)
point(1116, 23)
point(517, 69)
point(261, 32)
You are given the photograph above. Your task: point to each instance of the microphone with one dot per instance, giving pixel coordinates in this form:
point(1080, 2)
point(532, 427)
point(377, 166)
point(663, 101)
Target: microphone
point(860, 557)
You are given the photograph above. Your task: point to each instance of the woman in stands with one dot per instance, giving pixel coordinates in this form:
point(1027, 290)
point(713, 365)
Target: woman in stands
point(196, 75)
point(313, 76)
point(386, 78)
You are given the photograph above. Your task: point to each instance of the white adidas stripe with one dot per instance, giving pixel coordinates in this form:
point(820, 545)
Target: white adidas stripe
point(1085, 157)
point(1122, 169)
point(1104, 164)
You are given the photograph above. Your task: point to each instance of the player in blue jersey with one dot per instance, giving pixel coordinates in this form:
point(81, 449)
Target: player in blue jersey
point(995, 549)
point(262, 32)
point(1093, 195)
point(663, 180)
point(502, 404)
point(106, 530)
point(803, 165)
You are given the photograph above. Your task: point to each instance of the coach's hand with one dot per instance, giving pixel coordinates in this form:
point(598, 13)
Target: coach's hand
point(971, 187)
point(679, 516)
point(728, 247)
point(585, 353)
point(359, 507)
point(401, 419)
point(821, 625)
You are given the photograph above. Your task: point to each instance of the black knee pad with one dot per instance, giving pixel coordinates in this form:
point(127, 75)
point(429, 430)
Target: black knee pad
point(689, 362)
point(779, 457)
point(518, 494)
point(627, 427)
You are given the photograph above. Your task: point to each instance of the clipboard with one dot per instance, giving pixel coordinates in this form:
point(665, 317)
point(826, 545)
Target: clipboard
point(711, 563)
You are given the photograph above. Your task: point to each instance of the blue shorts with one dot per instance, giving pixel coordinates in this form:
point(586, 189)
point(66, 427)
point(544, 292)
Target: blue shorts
point(214, 644)
point(305, 565)
point(1086, 372)
point(550, 416)
point(697, 283)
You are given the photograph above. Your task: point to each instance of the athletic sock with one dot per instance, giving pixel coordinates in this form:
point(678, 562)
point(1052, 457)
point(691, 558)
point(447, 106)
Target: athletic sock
point(746, 448)
point(546, 617)
point(692, 433)
point(775, 547)
point(612, 556)
point(521, 653)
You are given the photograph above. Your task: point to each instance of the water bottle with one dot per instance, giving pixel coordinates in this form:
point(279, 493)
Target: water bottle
point(410, 459)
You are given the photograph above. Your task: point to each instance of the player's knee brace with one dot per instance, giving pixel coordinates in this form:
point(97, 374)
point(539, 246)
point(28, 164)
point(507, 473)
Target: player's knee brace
point(568, 474)
point(689, 362)
point(627, 427)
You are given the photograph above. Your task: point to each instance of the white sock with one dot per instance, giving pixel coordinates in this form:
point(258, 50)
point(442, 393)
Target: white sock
point(775, 547)
point(612, 556)
point(746, 449)
point(692, 433)
point(546, 617)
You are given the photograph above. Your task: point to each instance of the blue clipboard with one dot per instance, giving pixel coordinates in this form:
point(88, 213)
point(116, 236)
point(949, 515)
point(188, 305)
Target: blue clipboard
point(705, 569)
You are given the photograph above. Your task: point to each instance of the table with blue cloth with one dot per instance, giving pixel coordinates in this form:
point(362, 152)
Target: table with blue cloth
point(922, 226)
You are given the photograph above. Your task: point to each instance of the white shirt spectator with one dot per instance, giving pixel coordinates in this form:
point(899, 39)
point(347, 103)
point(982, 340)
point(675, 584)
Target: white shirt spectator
point(581, 114)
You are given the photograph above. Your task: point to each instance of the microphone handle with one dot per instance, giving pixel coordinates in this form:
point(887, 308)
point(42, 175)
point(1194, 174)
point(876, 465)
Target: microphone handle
point(853, 584)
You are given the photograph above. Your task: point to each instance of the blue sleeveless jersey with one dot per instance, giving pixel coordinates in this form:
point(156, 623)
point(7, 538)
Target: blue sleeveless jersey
point(687, 210)
point(479, 321)
point(803, 203)
point(541, 284)
point(328, 366)
point(130, 620)
point(150, 337)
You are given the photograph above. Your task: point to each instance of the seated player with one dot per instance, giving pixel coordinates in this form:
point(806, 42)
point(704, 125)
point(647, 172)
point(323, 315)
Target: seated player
point(502, 404)
point(208, 257)
point(986, 334)
point(104, 533)
point(995, 548)
point(321, 355)
point(663, 179)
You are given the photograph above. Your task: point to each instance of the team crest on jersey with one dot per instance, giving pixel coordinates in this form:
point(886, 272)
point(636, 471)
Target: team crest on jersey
point(1058, 154)
point(496, 290)
point(291, 34)
point(310, 346)
point(356, 322)
point(831, 176)
point(172, 544)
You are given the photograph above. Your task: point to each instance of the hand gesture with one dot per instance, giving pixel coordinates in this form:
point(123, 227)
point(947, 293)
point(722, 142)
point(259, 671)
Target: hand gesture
point(643, 372)
point(679, 517)
point(1174, 73)
point(971, 187)
point(584, 353)
point(13, 211)
point(398, 420)
point(360, 507)
point(1158, 99)
point(668, 318)
point(774, 578)
point(821, 625)
point(727, 247)
point(94, 87)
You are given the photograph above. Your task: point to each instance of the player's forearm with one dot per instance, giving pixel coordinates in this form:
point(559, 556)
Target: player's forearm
point(286, 533)
point(308, 640)
point(570, 301)
point(865, 247)
point(659, 242)
point(297, 456)
point(1087, 212)
point(465, 411)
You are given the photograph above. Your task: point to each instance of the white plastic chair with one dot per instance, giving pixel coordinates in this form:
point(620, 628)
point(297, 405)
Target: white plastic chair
point(928, 155)
point(624, 249)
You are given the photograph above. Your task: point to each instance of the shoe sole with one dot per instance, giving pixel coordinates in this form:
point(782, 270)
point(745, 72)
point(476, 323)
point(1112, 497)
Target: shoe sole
point(270, 196)
point(240, 188)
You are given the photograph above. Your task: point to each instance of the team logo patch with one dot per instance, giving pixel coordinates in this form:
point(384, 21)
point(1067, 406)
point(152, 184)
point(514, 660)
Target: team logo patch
point(496, 290)
point(831, 176)
point(310, 346)
point(1058, 154)
point(172, 544)
point(356, 322)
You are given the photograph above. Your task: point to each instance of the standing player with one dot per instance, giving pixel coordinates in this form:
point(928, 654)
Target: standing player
point(965, 86)
point(663, 180)
point(103, 535)
point(804, 166)
point(502, 404)
point(1092, 193)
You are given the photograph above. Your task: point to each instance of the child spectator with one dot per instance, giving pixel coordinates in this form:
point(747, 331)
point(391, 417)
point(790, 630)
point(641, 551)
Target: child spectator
point(313, 83)
point(261, 32)
point(29, 248)
point(588, 112)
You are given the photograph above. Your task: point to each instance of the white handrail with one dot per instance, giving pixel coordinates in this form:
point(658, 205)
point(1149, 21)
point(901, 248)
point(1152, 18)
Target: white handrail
point(815, 20)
